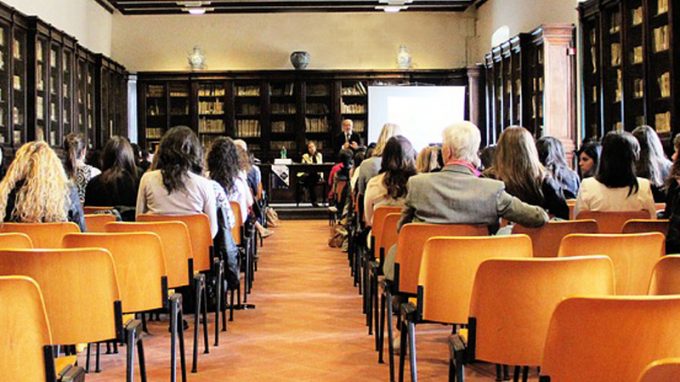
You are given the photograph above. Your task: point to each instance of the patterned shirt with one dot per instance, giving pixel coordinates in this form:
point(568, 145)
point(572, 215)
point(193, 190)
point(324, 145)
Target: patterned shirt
point(83, 175)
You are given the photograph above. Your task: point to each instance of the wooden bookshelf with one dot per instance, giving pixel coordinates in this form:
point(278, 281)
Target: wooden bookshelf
point(530, 82)
point(630, 65)
point(271, 109)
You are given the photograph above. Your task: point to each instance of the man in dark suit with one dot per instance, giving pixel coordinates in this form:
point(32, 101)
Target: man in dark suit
point(348, 139)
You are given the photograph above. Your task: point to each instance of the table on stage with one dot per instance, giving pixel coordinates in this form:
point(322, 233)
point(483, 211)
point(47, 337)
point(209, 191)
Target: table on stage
point(279, 191)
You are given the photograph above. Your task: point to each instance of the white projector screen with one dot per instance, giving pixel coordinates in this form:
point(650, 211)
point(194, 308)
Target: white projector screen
point(422, 112)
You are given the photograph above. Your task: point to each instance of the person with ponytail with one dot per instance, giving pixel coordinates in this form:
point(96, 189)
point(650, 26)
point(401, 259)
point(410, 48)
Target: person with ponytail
point(389, 187)
point(36, 189)
point(76, 169)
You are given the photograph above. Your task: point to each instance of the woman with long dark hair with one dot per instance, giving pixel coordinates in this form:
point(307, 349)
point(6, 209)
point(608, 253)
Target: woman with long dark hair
point(589, 158)
point(389, 187)
point(652, 163)
point(118, 183)
point(76, 170)
point(615, 187)
point(175, 186)
point(551, 154)
point(672, 211)
point(516, 163)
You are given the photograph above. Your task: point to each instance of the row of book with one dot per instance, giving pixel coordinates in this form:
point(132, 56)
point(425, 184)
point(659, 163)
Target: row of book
point(209, 107)
point(248, 128)
point(353, 108)
point(210, 125)
point(316, 125)
point(211, 91)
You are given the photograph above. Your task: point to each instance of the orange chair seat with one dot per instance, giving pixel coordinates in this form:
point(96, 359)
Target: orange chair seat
point(62, 363)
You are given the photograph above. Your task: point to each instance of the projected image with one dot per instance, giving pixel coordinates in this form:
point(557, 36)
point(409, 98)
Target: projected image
point(421, 112)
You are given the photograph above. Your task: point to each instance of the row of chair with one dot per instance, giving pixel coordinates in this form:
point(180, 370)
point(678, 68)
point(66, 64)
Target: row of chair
point(147, 261)
point(631, 278)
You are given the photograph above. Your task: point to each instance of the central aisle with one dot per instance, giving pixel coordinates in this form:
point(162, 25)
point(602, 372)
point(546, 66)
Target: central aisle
point(307, 326)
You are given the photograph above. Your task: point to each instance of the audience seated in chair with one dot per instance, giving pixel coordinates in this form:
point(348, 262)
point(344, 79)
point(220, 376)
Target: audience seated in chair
point(652, 163)
point(552, 157)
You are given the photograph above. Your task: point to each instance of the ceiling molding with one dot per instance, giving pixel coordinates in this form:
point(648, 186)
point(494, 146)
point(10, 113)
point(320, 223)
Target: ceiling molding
point(169, 7)
point(105, 4)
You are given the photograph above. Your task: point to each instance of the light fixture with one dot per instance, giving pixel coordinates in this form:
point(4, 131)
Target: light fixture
point(195, 7)
point(393, 6)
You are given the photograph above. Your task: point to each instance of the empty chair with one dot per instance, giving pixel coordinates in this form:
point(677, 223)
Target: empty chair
point(646, 225)
point(96, 222)
point(141, 269)
point(25, 341)
point(610, 339)
point(447, 273)
point(513, 300)
point(666, 276)
point(15, 240)
point(43, 235)
point(663, 370)
point(634, 256)
point(94, 209)
point(85, 309)
point(610, 221)
point(410, 243)
point(546, 240)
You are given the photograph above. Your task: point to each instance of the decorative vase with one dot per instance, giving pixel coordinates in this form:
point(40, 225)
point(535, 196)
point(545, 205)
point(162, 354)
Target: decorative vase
point(300, 60)
point(404, 58)
point(196, 59)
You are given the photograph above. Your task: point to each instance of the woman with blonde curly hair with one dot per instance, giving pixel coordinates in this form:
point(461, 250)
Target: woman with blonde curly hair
point(36, 189)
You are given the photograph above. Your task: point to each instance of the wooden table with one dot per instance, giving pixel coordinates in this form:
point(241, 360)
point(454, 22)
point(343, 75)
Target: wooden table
point(280, 193)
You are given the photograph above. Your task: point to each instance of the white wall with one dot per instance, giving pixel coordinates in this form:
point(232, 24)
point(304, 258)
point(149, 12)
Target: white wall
point(84, 19)
point(265, 41)
point(519, 16)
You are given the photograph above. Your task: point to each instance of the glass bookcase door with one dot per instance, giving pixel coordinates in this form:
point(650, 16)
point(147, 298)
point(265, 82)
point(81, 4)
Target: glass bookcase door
point(105, 106)
point(4, 84)
point(89, 104)
point(613, 64)
point(634, 65)
point(80, 93)
point(318, 116)
point(283, 116)
point(19, 96)
point(248, 114)
point(212, 112)
point(53, 135)
point(155, 114)
point(41, 88)
point(591, 77)
point(67, 91)
point(354, 106)
point(660, 66)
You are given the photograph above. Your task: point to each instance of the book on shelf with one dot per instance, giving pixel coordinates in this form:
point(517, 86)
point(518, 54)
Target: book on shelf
point(359, 126)
point(17, 82)
point(638, 88)
point(210, 107)
point(317, 108)
point(283, 108)
point(179, 93)
point(357, 89)
point(636, 16)
point(662, 7)
point(248, 91)
point(354, 108)
point(661, 39)
point(285, 90)
point(318, 90)
point(664, 81)
point(154, 132)
point(249, 109)
point(615, 54)
point(662, 121)
point(316, 125)
point(211, 92)
point(16, 51)
point(155, 91)
point(53, 59)
point(210, 125)
point(637, 56)
point(39, 108)
point(278, 126)
point(248, 128)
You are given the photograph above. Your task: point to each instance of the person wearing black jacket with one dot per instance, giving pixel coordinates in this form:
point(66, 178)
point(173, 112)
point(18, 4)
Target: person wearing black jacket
point(348, 139)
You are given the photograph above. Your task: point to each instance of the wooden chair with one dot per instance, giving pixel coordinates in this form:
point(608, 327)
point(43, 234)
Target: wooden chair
point(513, 300)
point(610, 339)
point(178, 253)
point(634, 256)
point(610, 221)
point(546, 240)
point(447, 273)
point(388, 238)
point(96, 222)
point(15, 240)
point(646, 225)
point(666, 276)
point(43, 235)
point(26, 352)
point(202, 249)
point(571, 203)
point(81, 295)
point(141, 269)
point(410, 244)
point(663, 370)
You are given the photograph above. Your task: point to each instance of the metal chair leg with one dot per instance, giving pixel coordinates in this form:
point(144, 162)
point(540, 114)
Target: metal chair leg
point(381, 334)
point(402, 350)
point(411, 331)
point(390, 334)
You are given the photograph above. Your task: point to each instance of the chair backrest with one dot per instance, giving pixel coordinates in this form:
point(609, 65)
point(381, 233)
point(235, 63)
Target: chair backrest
point(610, 339)
point(94, 209)
point(15, 240)
point(338, 188)
point(446, 259)
point(412, 238)
point(96, 222)
point(571, 203)
point(546, 240)
point(199, 232)
point(176, 247)
point(43, 235)
point(634, 256)
point(389, 235)
point(80, 289)
point(611, 221)
point(25, 330)
point(663, 370)
point(140, 265)
point(660, 206)
point(666, 276)
point(379, 218)
point(513, 300)
point(646, 225)
point(236, 230)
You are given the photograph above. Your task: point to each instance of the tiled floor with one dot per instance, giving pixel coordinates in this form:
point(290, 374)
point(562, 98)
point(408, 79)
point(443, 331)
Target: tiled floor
point(307, 325)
